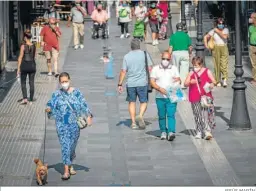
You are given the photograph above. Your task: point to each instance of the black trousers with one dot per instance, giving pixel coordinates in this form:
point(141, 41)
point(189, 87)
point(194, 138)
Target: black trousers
point(23, 79)
point(97, 26)
point(124, 27)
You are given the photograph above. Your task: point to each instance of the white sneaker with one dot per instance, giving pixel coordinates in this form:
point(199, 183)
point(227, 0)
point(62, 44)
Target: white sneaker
point(81, 46)
point(225, 83)
point(219, 85)
point(122, 36)
point(198, 135)
point(156, 42)
point(208, 136)
point(171, 136)
point(49, 74)
point(76, 47)
point(163, 136)
point(127, 35)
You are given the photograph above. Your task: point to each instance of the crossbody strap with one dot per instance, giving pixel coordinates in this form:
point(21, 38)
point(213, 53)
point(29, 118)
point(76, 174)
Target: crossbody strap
point(146, 64)
point(197, 83)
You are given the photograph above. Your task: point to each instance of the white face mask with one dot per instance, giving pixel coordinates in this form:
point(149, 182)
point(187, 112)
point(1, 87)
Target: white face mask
point(196, 69)
point(65, 86)
point(165, 63)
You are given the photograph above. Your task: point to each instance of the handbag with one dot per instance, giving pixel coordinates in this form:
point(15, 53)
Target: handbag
point(150, 89)
point(211, 42)
point(81, 121)
point(205, 100)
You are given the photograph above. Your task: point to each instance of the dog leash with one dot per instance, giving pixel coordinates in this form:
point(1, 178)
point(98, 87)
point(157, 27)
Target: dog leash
point(45, 121)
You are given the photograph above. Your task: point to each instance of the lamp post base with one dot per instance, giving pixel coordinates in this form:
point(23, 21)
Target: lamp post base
point(240, 119)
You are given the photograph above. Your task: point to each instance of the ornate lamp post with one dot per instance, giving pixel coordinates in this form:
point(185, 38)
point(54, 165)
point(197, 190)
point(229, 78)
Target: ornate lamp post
point(240, 119)
point(199, 43)
point(183, 17)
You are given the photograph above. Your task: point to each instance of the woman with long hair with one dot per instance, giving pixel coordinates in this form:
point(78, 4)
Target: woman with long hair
point(27, 67)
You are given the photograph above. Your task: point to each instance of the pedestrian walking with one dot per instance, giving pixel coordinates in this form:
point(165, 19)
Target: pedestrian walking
point(59, 107)
point(163, 77)
point(27, 67)
point(50, 35)
point(134, 67)
point(77, 16)
point(220, 53)
point(252, 49)
point(124, 15)
point(163, 6)
point(141, 20)
point(181, 49)
point(52, 12)
point(201, 82)
point(155, 16)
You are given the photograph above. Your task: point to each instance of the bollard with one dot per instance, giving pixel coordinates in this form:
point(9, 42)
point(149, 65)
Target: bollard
point(108, 64)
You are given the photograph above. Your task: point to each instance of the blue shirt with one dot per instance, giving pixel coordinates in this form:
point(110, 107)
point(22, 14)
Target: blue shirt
point(135, 66)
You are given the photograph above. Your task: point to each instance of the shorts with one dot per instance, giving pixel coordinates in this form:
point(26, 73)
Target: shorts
point(154, 27)
point(52, 54)
point(141, 92)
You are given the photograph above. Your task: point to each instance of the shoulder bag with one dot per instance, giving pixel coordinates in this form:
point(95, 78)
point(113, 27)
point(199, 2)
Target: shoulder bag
point(81, 121)
point(211, 42)
point(147, 73)
point(205, 100)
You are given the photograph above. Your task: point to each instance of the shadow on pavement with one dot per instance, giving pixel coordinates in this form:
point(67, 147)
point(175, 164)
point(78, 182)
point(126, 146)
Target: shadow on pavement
point(188, 132)
point(128, 122)
point(155, 133)
point(59, 167)
point(221, 115)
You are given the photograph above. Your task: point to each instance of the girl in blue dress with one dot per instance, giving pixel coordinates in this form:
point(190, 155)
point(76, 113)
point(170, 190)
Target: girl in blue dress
point(66, 119)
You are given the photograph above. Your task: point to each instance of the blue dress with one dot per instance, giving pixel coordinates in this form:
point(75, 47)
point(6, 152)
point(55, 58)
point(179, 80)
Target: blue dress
point(66, 120)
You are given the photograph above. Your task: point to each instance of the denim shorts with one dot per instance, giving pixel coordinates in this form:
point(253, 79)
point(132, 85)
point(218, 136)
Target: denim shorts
point(141, 92)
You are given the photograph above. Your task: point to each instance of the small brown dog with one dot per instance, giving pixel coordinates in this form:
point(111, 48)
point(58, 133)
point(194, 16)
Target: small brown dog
point(41, 172)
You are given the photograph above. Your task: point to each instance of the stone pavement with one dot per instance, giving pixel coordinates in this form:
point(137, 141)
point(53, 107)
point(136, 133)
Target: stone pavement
point(110, 153)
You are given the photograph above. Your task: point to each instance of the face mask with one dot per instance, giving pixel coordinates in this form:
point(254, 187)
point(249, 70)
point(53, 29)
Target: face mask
point(196, 69)
point(220, 26)
point(65, 86)
point(141, 5)
point(125, 5)
point(250, 20)
point(153, 5)
point(165, 63)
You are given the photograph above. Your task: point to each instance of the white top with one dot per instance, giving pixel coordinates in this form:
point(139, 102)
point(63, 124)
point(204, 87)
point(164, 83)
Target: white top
point(140, 13)
point(164, 77)
point(217, 39)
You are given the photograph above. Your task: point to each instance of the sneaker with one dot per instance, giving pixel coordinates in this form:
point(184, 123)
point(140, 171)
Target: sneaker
point(219, 85)
point(141, 122)
point(163, 136)
point(49, 74)
point(225, 83)
point(171, 136)
point(208, 136)
point(56, 75)
point(134, 126)
point(156, 42)
point(122, 36)
point(76, 47)
point(81, 46)
point(198, 135)
point(127, 35)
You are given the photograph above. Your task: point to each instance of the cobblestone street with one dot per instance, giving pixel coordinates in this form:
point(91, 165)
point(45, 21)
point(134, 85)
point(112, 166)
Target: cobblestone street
point(109, 152)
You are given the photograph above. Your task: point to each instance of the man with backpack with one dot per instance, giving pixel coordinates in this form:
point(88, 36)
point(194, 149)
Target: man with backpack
point(77, 16)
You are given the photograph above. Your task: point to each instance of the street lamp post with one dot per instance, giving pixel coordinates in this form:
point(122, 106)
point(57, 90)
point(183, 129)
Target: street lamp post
point(199, 43)
point(240, 119)
point(170, 31)
point(183, 17)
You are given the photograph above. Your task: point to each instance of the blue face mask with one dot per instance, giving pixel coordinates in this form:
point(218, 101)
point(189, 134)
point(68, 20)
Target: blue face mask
point(220, 26)
point(125, 5)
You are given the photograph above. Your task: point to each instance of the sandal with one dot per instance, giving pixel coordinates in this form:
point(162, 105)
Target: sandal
point(65, 176)
point(72, 171)
point(23, 102)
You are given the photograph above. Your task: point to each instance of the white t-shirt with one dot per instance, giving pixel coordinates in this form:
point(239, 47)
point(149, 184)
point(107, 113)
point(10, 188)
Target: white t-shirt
point(164, 77)
point(140, 13)
point(217, 39)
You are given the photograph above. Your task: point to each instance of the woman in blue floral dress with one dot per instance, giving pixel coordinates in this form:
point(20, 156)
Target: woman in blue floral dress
point(66, 119)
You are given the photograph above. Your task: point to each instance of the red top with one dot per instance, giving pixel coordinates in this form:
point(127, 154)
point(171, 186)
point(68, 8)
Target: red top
point(163, 5)
point(194, 95)
point(153, 15)
point(50, 38)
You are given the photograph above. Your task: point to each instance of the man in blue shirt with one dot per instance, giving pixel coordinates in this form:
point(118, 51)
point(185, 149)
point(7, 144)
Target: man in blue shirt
point(134, 67)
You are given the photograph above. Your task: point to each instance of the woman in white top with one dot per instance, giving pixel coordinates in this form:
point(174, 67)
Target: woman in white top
point(140, 13)
point(220, 52)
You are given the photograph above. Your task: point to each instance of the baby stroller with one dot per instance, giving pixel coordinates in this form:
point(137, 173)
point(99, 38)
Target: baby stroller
point(138, 31)
point(95, 34)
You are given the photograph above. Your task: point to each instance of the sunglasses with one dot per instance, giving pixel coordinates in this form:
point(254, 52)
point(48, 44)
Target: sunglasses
point(166, 59)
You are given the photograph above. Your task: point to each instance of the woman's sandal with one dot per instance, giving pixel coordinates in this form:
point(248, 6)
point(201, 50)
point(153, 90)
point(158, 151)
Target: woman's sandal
point(72, 171)
point(23, 102)
point(65, 176)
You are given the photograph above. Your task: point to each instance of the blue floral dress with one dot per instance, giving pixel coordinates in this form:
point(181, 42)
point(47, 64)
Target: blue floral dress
point(66, 120)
